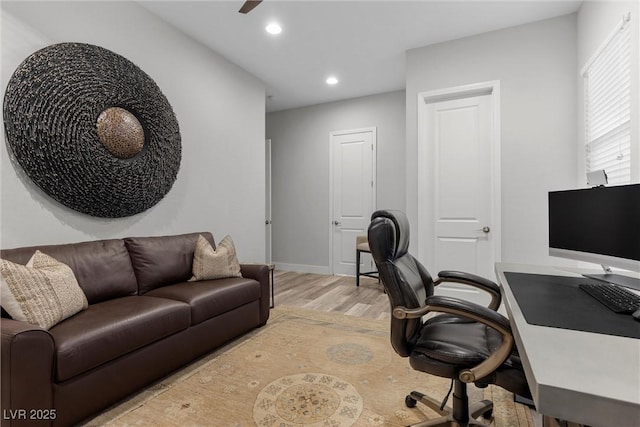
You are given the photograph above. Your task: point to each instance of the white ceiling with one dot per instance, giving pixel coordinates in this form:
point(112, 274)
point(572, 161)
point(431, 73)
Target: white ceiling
point(362, 43)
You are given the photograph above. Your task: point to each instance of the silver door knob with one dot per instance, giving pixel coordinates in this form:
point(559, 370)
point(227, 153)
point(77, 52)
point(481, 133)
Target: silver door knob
point(486, 229)
point(336, 222)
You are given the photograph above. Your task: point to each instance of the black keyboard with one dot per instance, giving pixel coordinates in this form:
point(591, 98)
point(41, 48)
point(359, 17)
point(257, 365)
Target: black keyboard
point(615, 298)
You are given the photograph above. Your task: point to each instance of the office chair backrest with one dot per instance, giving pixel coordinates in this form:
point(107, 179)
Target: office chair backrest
point(405, 280)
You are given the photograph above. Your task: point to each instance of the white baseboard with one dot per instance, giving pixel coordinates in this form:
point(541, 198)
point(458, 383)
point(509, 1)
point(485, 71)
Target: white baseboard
point(302, 268)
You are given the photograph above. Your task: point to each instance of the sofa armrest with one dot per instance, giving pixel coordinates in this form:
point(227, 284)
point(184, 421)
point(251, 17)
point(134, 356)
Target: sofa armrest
point(27, 359)
point(260, 273)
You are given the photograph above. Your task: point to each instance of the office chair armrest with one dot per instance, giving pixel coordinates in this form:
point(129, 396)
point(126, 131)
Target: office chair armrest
point(486, 316)
point(472, 280)
point(401, 312)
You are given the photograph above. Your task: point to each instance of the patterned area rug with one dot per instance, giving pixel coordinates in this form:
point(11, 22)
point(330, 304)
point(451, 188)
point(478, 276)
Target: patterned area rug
point(304, 368)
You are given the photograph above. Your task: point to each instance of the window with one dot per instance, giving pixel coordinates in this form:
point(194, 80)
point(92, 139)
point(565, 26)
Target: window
point(607, 101)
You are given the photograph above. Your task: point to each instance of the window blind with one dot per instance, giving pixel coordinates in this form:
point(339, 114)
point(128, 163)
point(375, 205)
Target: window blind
point(607, 102)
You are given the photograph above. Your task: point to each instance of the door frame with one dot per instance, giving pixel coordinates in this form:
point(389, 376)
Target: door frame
point(374, 188)
point(268, 204)
point(426, 215)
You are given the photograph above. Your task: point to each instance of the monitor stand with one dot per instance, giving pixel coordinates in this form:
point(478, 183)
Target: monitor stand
point(616, 279)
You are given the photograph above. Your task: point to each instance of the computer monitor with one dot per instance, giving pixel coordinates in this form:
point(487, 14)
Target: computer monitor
point(598, 225)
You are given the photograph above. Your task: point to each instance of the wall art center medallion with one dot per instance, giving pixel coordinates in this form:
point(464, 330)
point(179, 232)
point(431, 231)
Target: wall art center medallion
point(120, 132)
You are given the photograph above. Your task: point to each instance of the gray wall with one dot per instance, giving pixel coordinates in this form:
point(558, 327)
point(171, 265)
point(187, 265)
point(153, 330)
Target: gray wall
point(220, 109)
point(535, 65)
point(300, 165)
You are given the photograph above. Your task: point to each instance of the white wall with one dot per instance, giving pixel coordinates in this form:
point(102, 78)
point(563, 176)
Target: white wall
point(220, 110)
point(300, 165)
point(596, 21)
point(535, 64)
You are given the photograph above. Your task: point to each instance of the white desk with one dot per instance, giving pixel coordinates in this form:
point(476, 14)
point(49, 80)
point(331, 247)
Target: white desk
point(583, 377)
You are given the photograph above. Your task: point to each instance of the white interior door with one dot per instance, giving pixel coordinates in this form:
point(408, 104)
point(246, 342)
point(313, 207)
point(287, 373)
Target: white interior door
point(460, 193)
point(353, 193)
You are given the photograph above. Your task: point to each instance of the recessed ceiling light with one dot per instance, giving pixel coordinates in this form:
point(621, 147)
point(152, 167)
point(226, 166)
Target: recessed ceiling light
point(273, 28)
point(332, 80)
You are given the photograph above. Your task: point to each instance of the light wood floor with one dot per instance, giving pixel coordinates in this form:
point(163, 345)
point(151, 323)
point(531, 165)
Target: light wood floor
point(332, 294)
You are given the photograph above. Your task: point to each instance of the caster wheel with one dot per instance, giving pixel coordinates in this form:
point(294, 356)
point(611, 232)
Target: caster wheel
point(410, 402)
point(487, 415)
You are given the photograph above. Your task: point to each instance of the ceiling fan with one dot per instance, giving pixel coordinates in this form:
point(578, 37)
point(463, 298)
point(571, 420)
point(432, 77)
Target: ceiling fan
point(249, 5)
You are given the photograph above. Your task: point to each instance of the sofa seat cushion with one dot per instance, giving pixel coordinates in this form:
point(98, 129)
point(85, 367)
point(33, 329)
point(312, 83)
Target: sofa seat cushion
point(209, 298)
point(110, 329)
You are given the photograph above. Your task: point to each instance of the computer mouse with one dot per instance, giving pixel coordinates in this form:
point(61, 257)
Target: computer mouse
point(636, 315)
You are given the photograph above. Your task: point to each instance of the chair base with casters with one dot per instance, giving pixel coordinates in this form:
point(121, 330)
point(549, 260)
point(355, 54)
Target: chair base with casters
point(363, 246)
point(462, 414)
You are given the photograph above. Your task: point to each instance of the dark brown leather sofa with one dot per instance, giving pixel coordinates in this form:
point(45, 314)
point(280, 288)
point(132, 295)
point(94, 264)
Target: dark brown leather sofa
point(144, 320)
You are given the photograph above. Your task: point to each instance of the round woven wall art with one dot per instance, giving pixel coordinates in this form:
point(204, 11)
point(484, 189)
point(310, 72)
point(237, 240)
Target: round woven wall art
point(92, 130)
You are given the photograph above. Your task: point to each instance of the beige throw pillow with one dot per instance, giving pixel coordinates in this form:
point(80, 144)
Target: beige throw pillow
point(44, 292)
point(215, 264)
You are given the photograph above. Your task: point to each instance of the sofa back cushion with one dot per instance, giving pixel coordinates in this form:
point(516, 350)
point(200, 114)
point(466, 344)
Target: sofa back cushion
point(102, 268)
point(163, 260)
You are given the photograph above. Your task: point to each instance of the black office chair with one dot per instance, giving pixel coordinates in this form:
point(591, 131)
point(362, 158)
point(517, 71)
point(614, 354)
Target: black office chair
point(466, 342)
